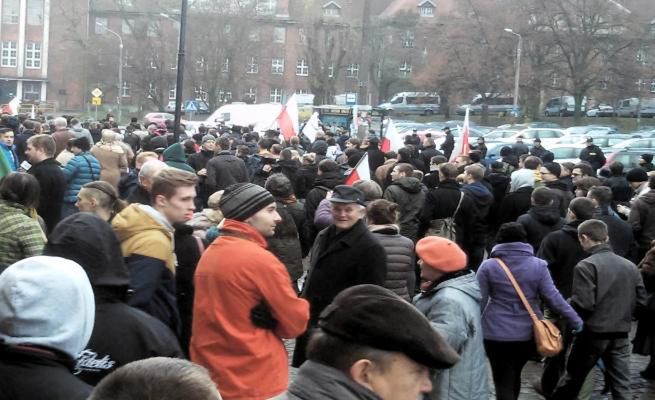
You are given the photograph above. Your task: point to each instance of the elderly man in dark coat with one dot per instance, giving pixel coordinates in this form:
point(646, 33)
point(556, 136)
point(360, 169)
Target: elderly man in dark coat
point(344, 254)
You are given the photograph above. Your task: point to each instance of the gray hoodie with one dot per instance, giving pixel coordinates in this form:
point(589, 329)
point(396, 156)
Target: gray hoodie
point(453, 309)
point(46, 301)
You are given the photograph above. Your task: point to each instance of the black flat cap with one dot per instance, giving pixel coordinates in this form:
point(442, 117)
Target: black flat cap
point(374, 316)
point(347, 194)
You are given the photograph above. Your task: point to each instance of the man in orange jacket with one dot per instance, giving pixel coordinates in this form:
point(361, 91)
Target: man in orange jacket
point(244, 301)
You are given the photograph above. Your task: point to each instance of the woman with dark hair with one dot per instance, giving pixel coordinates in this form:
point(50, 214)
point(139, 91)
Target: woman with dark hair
point(100, 198)
point(506, 324)
point(20, 233)
point(382, 218)
point(80, 170)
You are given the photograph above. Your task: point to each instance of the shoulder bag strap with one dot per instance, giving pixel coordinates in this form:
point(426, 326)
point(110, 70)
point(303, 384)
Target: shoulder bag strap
point(525, 302)
point(90, 168)
point(461, 197)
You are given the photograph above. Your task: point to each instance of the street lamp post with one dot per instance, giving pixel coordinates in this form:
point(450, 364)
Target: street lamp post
point(120, 69)
point(180, 70)
point(517, 77)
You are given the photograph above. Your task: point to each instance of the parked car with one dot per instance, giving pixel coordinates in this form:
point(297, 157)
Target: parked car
point(629, 158)
point(634, 106)
point(422, 103)
point(548, 136)
point(602, 141)
point(496, 104)
point(566, 152)
point(157, 118)
point(563, 106)
point(635, 143)
point(601, 110)
point(493, 151)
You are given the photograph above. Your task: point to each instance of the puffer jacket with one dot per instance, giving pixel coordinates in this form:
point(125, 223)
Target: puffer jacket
point(453, 308)
point(407, 193)
point(401, 278)
point(80, 170)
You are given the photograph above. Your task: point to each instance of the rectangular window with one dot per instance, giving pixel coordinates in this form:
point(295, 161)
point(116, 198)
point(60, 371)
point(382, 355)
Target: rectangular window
point(332, 11)
point(266, 7)
point(125, 89)
point(252, 67)
point(254, 35)
point(126, 26)
point(251, 95)
point(9, 54)
point(426, 11)
point(352, 71)
point(224, 96)
point(151, 90)
point(302, 68)
point(277, 66)
point(652, 86)
point(276, 95)
point(10, 11)
point(225, 68)
point(200, 64)
point(35, 13)
point(408, 39)
point(33, 55)
point(331, 71)
point(201, 93)
point(302, 91)
point(100, 27)
point(171, 93)
point(31, 91)
point(302, 36)
point(405, 69)
point(279, 34)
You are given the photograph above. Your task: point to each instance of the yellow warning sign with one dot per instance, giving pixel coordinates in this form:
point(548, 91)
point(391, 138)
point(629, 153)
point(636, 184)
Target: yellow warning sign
point(96, 101)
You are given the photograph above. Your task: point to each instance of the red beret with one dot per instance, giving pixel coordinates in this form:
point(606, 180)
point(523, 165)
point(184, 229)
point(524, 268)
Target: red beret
point(441, 254)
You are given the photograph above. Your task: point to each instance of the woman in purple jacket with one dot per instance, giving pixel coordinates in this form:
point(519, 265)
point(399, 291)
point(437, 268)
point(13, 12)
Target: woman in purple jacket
point(506, 325)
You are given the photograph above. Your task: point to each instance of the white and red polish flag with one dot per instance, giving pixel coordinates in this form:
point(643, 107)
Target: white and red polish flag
point(11, 108)
point(462, 146)
point(391, 141)
point(360, 172)
point(287, 120)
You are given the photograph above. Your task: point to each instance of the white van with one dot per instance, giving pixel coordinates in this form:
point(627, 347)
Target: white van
point(563, 106)
point(422, 103)
point(628, 108)
point(496, 104)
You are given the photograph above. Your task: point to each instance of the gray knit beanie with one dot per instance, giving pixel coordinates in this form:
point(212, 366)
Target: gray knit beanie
point(208, 138)
point(241, 201)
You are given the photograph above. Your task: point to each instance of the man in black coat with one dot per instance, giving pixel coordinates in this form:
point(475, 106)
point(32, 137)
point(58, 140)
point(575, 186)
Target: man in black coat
point(519, 148)
point(543, 216)
point(449, 143)
point(537, 149)
point(475, 239)
point(593, 155)
point(375, 155)
point(620, 232)
point(442, 202)
point(344, 255)
point(617, 182)
point(550, 176)
point(40, 153)
point(429, 151)
point(198, 162)
point(224, 169)
point(515, 204)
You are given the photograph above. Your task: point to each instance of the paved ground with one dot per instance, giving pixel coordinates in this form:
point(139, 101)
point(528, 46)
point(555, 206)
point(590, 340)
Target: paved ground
point(642, 390)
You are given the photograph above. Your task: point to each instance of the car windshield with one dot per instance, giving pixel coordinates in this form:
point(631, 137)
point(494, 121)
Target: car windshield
point(565, 152)
point(500, 134)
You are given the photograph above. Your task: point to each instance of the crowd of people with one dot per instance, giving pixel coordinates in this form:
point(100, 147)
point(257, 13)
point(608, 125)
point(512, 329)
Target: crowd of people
point(123, 254)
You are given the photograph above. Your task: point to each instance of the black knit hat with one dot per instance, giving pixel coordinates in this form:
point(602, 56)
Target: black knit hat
point(374, 316)
point(241, 201)
point(553, 168)
point(636, 175)
point(647, 157)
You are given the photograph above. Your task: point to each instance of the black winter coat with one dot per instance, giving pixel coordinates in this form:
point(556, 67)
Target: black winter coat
point(515, 204)
point(564, 195)
point(198, 161)
point(407, 193)
point(442, 202)
point(520, 148)
point(539, 221)
point(224, 170)
point(290, 169)
point(27, 374)
point(20, 141)
point(594, 156)
point(306, 176)
point(619, 232)
point(339, 260)
point(285, 244)
point(53, 186)
point(483, 200)
point(401, 278)
point(621, 190)
point(375, 158)
point(562, 251)
point(499, 185)
point(426, 156)
point(188, 252)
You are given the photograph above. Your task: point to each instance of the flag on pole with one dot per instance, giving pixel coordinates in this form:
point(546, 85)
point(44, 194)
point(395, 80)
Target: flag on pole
point(391, 141)
point(288, 119)
point(462, 147)
point(361, 171)
point(312, 127)
point(11, 108)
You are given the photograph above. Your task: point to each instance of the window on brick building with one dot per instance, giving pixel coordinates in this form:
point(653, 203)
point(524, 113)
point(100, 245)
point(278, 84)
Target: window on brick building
point(171, 92)
point(331, 9)
point(225, 68)
point(331, 71)
point(9, 54)
point(251, 95)
point(279, 34)
point(426, 9)
point(125, 89)
point(266, 7)
point(407, 39)
point(277, 66)
point(276, 95)
point(405, 69)
point(31, 91)
point(252, 67)
point(10, 11)
point(35, 12)
point(302, 68)
point(33, 55)
point(352, 71)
